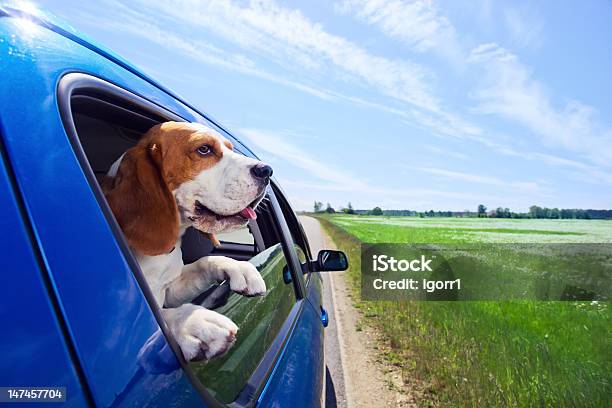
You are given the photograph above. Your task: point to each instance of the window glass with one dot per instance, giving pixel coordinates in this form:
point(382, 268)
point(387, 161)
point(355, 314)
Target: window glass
point(240, 236)
point(259, 319)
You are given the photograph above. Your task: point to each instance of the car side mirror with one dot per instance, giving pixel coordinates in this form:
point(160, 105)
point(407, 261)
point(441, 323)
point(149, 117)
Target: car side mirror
point(330, 260)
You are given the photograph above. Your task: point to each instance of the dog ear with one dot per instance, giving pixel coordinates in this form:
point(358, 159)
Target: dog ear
point(142, 201)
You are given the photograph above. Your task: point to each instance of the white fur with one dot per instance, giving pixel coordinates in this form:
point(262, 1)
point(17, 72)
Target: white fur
point(226, 188)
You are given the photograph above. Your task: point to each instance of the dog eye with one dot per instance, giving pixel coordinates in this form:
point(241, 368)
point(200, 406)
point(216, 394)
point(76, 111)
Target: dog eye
point(204, 150)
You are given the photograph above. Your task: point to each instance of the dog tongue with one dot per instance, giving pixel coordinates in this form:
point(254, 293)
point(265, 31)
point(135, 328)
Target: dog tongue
point(248, 213)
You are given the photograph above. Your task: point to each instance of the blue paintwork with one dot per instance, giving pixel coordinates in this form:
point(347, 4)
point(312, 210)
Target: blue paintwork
point(31, 337)
point(324, 317)
point(300, 372)
point(108, 320)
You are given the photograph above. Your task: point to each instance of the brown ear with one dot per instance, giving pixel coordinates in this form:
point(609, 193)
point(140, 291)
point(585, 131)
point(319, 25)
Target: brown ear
point(142, 201)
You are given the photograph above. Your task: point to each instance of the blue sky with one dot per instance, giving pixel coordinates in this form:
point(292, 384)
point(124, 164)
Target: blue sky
point(401, 104)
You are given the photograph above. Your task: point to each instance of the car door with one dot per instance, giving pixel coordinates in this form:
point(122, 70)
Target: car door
point(120, 340)
point(312, 280)
point(299, 375)
point(36, 350)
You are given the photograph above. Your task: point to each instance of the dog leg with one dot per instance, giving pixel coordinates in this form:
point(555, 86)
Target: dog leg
point(201, 333)
point(243, 278)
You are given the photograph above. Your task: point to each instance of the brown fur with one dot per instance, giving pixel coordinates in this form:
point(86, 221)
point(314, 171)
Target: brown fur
point(140, 195)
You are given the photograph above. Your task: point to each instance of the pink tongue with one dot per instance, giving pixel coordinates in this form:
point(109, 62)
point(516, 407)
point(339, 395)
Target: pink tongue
point(248, 213)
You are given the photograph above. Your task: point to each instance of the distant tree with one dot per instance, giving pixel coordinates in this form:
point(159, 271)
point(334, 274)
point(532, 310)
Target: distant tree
point(555, 213)
point(535, 211)
point(349, 209)
point(581, 215)
point(329, 209)
point(376, 211)
point(482, 210)
point(500, 212)
point(318, 206)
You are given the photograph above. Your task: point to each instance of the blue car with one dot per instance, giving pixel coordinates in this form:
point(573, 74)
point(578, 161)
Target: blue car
point(77, 317)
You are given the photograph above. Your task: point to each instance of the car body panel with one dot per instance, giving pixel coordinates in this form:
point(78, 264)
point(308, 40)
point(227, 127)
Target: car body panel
point(108, 320)
point(299, 372)
point(31, 337)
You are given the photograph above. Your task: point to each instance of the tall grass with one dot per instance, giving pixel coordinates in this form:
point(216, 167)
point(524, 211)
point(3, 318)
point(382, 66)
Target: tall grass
point(479, 354)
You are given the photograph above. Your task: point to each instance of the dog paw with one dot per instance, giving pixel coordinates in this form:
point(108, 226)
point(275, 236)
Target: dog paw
point(202, 334)
point(244, 278)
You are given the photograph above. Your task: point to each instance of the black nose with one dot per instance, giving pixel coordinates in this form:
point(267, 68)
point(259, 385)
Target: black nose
point(261, 171)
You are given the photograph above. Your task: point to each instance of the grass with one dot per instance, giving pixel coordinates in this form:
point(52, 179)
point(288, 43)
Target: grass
point(476, 354)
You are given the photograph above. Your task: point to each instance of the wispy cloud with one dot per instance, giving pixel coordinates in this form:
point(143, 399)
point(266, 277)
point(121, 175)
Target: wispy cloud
point(418, 23)
point(276, 144)
point(525, 26)
point(481, 179)
point(323, 176)
point(442, 123)
point(509, 90)
point(290, 38)
point(286, 36)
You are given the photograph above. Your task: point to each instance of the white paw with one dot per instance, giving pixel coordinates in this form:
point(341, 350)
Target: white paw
point(244, 278)
point(202, 334)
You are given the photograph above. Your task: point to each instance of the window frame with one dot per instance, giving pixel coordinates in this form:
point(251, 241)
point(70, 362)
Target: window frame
point(297, 231)
point(77, 83)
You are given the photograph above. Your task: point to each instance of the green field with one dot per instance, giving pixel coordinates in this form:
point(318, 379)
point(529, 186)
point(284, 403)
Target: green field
point(519, 353)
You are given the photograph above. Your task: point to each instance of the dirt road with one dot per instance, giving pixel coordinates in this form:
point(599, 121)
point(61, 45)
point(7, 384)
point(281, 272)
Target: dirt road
point(357, 377)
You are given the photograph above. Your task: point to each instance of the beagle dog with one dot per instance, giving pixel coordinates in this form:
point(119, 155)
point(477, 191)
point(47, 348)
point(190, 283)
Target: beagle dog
point(181, 175)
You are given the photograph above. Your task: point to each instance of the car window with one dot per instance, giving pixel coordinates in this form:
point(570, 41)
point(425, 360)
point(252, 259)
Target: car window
point(300, 241)
point(240, 236)
point(259, 319)
point(105, 130)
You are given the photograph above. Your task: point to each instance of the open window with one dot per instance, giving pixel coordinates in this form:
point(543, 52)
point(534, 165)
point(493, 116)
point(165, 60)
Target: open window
point(103, 121)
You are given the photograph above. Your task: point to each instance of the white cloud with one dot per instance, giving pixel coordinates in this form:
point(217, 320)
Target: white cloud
point(417, 23)
point(509, 90)
point(577, 170)
point(249, 28)
point(525, 26)
point(291, 39)
point(324, 177)
point(481, 179)
point(277, 145)
point(489, 52)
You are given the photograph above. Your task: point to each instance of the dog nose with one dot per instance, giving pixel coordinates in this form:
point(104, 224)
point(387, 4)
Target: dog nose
point(261, 171)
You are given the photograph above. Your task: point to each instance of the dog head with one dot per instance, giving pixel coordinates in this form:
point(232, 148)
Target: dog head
point(182, 174)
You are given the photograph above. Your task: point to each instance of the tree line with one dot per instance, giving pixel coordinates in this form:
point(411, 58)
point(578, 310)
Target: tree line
point(535, 212)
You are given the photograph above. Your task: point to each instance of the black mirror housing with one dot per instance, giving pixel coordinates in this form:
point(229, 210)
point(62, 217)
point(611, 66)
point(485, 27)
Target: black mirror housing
point(330, 260)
